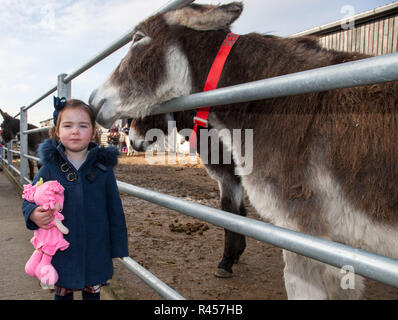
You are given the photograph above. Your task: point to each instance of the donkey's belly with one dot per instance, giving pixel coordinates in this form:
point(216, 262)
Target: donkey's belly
point(268, 206)
point(348, 224)
point(343, 222)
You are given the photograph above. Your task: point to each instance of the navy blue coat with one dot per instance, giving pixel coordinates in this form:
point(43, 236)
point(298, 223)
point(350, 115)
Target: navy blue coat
point(93, 214)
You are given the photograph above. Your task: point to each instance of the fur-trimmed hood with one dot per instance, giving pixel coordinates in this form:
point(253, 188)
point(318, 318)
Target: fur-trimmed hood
point(51, 150)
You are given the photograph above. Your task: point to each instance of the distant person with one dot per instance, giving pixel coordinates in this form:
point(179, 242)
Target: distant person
point(114, 138)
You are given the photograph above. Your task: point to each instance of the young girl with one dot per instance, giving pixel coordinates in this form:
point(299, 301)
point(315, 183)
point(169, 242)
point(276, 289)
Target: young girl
point(92, 207)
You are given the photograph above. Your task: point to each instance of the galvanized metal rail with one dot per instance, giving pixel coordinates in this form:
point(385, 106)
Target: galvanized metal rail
point(350, 74)
point(160, 287)
point(365, 263)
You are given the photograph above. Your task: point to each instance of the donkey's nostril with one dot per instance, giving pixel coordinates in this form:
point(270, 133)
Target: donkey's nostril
point(92, 95)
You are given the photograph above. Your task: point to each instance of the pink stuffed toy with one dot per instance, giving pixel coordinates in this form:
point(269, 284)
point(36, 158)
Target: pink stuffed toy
point(49, 195)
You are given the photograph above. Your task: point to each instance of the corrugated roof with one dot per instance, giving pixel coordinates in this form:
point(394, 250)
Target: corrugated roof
point(358, 18)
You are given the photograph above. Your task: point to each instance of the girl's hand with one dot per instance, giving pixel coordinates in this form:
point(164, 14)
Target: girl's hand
point(42, 218)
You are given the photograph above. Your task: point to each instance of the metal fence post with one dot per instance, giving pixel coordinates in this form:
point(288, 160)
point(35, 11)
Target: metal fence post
point(5, 154)
point(2, 151)
point(24, 143)
point(64, 89)
point(9, 155)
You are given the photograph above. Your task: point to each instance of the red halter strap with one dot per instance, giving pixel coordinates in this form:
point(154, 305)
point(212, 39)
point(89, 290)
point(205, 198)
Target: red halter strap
point(211, 83)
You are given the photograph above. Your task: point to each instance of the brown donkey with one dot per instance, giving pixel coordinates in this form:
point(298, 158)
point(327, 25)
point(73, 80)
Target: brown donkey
point(324, 163)
point(10, 128)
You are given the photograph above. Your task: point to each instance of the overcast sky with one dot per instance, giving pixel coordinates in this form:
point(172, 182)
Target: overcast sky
point(40, 39)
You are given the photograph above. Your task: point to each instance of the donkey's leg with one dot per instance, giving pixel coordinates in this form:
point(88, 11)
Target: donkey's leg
point(341, 284)
point(303, 277)
point(306, 278)
point(231, 196)
point(39, 165)
point(129, 147)
point(31, 169)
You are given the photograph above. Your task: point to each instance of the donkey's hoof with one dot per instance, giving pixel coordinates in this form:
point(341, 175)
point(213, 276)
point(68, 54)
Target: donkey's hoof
point(221, 273)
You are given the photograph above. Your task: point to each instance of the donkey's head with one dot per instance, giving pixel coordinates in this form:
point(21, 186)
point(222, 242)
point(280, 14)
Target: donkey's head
point(170, 56)
point(9, 127)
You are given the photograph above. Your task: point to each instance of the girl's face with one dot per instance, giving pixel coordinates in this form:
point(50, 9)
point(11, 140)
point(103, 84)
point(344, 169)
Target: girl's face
point(75, 130)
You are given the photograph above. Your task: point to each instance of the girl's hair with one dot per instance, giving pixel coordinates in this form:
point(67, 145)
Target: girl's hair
point(75, 104)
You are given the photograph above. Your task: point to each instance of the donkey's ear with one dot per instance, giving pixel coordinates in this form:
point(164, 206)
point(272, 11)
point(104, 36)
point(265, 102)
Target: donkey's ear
point(4, 114)
point(205, 17)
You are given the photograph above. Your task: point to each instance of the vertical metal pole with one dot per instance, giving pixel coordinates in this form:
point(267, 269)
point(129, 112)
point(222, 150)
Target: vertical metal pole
point(2, 152)
point(9, 154)
point(5, 154)
point(64, 89)
point(24, 143)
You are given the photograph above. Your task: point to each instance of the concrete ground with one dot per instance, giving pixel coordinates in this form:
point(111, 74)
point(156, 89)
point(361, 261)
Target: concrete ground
point(15, 250)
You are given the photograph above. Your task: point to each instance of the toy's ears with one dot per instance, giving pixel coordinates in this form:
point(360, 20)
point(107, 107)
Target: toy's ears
point(40, 182)
point(29, 192)
point(4, 114)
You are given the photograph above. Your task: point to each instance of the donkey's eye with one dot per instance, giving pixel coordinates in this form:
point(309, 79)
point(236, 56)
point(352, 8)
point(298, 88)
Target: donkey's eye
point(138, 36)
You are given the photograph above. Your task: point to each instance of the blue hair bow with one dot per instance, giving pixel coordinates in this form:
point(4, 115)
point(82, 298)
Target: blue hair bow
point(59, 104)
